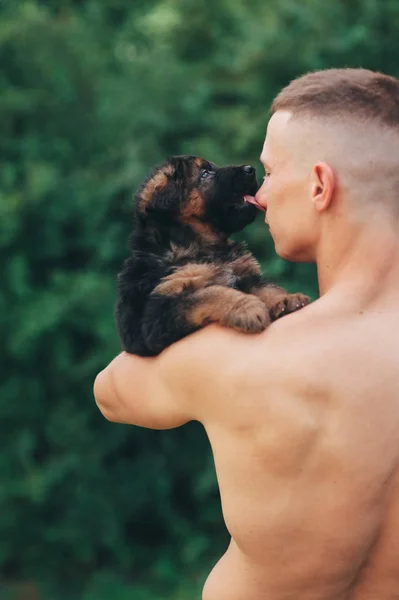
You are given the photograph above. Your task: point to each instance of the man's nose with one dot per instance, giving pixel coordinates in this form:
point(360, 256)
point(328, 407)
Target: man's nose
point(260, 198)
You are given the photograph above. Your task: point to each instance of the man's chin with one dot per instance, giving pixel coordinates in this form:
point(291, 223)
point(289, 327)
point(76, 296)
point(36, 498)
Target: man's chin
point(296, 255)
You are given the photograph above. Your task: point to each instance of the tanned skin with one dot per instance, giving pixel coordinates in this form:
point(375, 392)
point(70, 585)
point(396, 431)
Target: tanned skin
point(303, 419)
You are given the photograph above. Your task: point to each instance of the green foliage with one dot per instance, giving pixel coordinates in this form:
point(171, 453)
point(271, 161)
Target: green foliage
point(93, 94)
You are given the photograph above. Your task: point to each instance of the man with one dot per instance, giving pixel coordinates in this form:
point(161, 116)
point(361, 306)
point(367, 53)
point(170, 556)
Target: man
point(303, 419)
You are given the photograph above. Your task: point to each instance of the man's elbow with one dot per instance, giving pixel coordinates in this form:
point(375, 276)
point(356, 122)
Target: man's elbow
point(104, 397)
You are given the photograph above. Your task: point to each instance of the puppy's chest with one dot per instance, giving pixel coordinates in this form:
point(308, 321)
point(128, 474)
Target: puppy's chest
point(241, 268)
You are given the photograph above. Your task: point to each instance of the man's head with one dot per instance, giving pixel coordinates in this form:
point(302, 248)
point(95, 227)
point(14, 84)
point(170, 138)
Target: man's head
point(331, 157)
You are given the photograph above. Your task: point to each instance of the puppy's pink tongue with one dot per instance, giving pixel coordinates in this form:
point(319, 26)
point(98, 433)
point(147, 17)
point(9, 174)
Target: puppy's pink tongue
point(252, 200)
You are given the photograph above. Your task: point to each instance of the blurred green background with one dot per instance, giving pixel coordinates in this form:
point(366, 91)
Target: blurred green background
point(93, 93)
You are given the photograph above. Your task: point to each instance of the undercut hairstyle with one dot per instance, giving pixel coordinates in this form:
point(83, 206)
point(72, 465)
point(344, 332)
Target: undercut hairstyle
point(360, 93)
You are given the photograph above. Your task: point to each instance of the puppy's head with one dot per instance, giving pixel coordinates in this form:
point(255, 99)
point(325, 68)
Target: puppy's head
point(194, 192)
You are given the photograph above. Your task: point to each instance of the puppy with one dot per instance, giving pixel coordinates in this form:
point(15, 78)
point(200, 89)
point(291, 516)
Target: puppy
point(183, 271)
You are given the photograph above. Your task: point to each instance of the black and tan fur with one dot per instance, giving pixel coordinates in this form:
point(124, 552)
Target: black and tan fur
point(183, 271)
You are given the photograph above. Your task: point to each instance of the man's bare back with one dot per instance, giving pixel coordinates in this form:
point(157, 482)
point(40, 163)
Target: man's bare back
point(308, 468)
point(303, 425)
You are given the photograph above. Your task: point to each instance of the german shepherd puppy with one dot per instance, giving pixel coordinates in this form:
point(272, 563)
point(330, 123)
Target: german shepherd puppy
point(183, 271)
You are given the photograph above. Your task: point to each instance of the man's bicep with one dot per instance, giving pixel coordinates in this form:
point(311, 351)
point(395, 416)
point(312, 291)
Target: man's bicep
point(133, 390)
point(186, 382)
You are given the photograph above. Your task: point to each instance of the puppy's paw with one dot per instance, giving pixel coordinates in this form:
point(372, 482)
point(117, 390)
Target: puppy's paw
point(248, 314)
point(289, 304)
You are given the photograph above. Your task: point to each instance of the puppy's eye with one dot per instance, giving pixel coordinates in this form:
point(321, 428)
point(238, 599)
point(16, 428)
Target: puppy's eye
point(205, 173)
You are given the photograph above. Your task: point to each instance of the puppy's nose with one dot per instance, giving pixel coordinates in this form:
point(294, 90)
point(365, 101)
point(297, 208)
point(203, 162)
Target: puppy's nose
point(249, 170)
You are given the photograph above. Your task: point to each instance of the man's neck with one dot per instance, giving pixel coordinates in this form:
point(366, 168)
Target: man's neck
point(362, 260)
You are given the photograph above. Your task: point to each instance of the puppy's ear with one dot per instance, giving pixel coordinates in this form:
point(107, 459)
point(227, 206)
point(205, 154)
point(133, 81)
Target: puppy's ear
point(160, 193)
point(179, 169)
point(166, 201)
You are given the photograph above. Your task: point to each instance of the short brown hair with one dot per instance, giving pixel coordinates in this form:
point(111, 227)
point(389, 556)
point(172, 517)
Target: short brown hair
point(343, 92)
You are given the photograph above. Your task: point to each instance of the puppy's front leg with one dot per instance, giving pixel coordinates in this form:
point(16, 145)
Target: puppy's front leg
point(168, 318)
point(194, 276)
point(278, 301)
point(181, 303)
point(229, 307)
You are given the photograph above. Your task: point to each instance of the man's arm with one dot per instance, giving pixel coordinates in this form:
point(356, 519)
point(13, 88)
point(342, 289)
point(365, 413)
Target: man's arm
point(170, 389)
point(132, 390)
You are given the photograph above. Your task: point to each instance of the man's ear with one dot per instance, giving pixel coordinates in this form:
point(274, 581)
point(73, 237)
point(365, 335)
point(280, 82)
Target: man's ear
point(323, 186)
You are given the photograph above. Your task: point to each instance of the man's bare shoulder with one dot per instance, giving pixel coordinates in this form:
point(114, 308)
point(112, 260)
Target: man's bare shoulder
point(215, 362)
point(302, 327)
point(305, 340)
point(206, 355)
point(217, 352)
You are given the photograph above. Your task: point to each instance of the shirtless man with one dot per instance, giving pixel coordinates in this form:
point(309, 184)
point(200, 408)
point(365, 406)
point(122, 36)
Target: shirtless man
point(303, 419)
